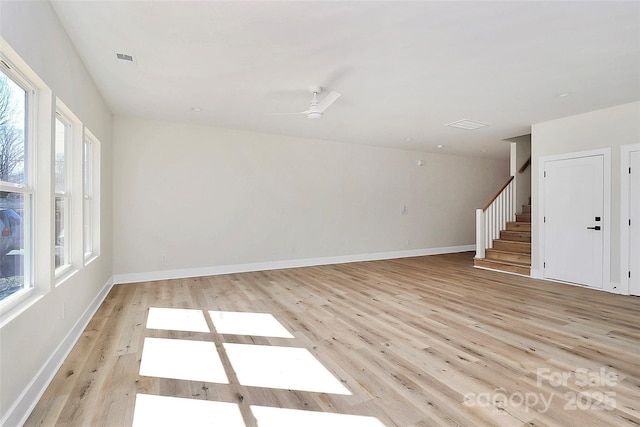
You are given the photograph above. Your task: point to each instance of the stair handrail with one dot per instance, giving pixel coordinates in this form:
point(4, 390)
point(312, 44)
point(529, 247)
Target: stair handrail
point(495, 196)
point(525, 165)
point(493, 217)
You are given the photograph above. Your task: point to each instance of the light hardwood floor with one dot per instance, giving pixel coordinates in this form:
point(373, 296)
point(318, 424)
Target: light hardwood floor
point(418, 341)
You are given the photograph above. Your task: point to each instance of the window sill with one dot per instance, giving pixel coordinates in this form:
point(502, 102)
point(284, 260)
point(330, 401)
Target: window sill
point(90, 257)
point(65, 274)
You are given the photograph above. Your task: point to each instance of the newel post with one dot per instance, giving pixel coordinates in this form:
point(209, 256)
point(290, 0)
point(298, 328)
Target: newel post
point(480, 233)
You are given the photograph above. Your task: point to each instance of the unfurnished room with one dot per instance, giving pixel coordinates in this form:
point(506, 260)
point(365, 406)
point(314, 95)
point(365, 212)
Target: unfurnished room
point(319, 213)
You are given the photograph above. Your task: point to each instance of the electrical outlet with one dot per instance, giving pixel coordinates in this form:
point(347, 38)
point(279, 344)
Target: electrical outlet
point(163, 258)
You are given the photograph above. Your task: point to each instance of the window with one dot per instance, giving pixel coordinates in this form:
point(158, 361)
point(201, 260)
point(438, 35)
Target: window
point(49, 188)
point(91, 162)
point(69, 177)
point(15, 183)
point(62, 228)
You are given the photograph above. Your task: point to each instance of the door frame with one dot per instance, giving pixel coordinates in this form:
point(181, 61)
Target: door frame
point(606, 212)
point(625, 184)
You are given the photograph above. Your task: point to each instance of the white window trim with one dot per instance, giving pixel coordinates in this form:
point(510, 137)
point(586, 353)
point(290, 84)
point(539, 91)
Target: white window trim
point(65, 195)
point(42, 106)
point(94, 194)
point(87, 197)
point(72, 194)
point(10, 305)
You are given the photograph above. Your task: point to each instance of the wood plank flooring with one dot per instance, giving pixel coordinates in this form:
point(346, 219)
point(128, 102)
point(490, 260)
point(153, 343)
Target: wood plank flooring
point(417, 341)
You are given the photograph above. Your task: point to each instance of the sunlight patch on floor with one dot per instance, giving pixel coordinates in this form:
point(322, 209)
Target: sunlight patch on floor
point(182, 359)
point(177, 319)
point(280, 417)
point(287, 368)
point(255, 324)
point(160, 411)
point(267, 366)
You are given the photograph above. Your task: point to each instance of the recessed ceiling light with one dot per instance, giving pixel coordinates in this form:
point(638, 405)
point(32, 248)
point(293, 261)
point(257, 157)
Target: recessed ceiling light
point(564, 95)
point(439, 146)
point(467, 124)
point(196, 109)
point(408, 139)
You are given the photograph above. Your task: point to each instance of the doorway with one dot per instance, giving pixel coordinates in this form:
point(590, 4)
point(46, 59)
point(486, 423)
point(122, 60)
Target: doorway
point(575, 219)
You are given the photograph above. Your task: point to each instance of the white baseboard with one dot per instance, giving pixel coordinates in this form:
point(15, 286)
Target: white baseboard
point(500, 271)
point(537, 273)
point(618, 288)
point(21, 409)
point(275, 265)
point(612, 287)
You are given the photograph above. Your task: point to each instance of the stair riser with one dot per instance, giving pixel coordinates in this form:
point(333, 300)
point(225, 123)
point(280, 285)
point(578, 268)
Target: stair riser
point(520, 247)
point(508, 257)
point(526, 209)
point(516, 236)
point(523, 217)
point(519, 226)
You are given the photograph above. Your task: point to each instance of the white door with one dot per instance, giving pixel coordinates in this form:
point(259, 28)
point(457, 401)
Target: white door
point(573, 220)
point(634, 229)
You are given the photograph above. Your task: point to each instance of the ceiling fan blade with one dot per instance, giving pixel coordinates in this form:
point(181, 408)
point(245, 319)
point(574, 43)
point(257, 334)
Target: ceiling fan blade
point(327, 101)
point(287, 114)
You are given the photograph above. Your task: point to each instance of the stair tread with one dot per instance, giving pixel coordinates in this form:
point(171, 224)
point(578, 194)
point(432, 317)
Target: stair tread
point(503, 251)
point(512, 241)
point(512, 246)
point(513, 254)
point(503, 266)
point(513, 236)
point(498, 261)
point(517, 254)
point(518, 226)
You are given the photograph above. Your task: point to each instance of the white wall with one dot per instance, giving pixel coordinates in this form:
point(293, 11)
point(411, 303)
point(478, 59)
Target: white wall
point(607, 128)
point(193, 197)
point(523, 180)
point(35, 339)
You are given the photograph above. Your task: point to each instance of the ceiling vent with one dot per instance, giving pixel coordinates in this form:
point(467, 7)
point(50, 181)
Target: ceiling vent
point(467, 124)
point(124, 57)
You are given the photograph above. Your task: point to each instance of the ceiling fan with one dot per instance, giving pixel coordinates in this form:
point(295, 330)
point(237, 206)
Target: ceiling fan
point(317, 108)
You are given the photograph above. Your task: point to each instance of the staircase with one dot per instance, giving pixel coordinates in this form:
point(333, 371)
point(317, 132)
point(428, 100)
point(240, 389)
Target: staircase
point(512, 251)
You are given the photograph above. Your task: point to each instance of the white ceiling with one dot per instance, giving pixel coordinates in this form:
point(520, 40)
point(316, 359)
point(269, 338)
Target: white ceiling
point(405, 69)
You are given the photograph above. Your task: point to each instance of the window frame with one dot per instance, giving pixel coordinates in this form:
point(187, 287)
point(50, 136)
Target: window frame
point(91, 197)
point(66, 193)
point(72, 194)
point(26, 189)
point(41, 277)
